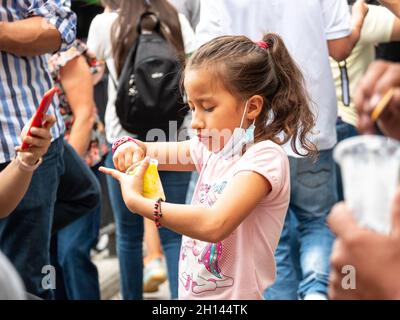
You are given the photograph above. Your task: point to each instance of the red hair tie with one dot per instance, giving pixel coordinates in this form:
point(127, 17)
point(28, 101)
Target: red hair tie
point(262, 44)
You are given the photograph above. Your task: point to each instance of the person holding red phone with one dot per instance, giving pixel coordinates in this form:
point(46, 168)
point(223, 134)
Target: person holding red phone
point(16, 177)
point(15, 180)
point(29, 31)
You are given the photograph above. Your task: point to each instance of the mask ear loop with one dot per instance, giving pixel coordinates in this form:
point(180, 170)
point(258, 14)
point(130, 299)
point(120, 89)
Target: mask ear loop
point(245, 109)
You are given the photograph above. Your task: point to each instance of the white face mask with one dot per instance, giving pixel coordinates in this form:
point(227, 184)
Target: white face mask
point(239, 139)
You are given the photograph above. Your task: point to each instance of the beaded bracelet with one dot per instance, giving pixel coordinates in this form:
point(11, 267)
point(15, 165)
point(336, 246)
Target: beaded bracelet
point(120, 141)
point(157, 212)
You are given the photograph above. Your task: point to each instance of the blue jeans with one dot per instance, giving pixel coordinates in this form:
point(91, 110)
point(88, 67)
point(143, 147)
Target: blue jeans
point(129, 229)
point(25, 234)
point(79, 194)
point(313, 193)
point(192, 185)
point(344, 130)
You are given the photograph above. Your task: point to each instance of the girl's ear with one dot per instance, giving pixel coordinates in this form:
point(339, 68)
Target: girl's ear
point(255, 106)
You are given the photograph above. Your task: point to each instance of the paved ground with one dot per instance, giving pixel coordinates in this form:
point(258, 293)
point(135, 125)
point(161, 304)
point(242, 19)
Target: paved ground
point(109, 279)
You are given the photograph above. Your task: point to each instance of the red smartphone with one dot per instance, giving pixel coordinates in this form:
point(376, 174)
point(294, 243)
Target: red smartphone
point(40, 112)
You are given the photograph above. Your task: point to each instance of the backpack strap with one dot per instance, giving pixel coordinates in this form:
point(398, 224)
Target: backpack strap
point(157, 27)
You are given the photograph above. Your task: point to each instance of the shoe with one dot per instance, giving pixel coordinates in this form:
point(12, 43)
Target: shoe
point(316, 296)
point(154, 274)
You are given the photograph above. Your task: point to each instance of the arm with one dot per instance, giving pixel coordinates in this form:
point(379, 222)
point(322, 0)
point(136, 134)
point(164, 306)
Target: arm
point(29, 37)
point(45, 27)
point(14, 184)
point(76, 81)
point(171, 156)
point(14, 178)
point(340, 49)
point(392, 5)
point(213, 224)
point(395, 36)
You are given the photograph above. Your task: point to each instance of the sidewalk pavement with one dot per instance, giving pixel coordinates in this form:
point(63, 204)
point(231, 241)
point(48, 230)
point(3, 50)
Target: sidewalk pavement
point(109, 279)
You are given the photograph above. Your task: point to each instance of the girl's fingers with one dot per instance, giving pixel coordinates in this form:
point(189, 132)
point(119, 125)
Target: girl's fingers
point(115, 160)
point(143, 167)
point(121, 163)
point(128, 160)
point(112, 172)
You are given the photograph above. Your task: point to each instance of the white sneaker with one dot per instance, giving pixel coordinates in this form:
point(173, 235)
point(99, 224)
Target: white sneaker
point(316, 296)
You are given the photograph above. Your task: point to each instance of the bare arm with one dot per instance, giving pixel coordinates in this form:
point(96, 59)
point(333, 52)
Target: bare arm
point(340, 49)
point(171, 156)
point(13, 186)
point(396, 30)
point(76, 81)
point(392, 5)
point(213, 224)
point(30, 37)
point(14, 181)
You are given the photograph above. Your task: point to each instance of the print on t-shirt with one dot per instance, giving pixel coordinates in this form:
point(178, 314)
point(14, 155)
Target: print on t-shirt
point(200, 261)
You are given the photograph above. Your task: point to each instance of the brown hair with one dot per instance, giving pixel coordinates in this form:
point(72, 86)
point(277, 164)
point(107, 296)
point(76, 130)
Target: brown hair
point(246, 69)
point(123, 33)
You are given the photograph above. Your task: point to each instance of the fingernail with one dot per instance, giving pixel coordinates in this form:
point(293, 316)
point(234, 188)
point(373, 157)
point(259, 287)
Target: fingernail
point(374, 100)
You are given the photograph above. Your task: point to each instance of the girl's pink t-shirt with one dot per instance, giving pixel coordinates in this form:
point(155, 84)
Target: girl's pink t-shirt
point(241, 266)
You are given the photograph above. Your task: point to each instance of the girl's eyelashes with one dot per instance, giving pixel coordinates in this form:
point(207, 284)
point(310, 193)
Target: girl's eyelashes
point(193, 108)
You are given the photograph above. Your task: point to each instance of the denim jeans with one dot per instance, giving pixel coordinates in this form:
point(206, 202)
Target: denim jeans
point(129, 229)
point(79, 195)
point(313, 193)
point(344, 130)
point(25, 234)
point(192, 185)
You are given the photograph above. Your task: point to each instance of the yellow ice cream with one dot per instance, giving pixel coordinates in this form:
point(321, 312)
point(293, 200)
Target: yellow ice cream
point(152, 187)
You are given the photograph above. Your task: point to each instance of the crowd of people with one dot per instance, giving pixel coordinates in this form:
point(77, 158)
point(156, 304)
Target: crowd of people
point(254, 205)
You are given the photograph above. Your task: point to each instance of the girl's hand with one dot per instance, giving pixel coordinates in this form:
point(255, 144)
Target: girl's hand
point(39, 141)
point(127, 154)
point(131, 185)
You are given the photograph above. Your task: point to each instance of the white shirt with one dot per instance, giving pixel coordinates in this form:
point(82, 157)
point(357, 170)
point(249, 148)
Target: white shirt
point(305, 26)
point(377, 28)
point(99, 41)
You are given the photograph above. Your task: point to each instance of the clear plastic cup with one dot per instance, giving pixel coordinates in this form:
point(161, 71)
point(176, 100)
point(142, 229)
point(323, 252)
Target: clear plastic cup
point(152, 187)
point(370, 167)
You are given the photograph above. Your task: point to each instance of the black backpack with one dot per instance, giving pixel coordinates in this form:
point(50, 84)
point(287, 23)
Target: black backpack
point(148, 94)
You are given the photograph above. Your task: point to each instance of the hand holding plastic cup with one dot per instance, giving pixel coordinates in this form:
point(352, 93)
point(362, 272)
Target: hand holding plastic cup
point(152, 187)
point(370, 167)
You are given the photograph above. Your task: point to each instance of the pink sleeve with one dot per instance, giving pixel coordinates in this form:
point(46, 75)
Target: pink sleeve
point(268, 160)
point(198, 153)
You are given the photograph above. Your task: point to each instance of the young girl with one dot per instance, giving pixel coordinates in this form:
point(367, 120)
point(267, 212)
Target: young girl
point(246, 99)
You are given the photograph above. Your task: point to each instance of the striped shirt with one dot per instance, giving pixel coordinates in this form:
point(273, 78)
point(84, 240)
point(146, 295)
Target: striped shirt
point(24, 80)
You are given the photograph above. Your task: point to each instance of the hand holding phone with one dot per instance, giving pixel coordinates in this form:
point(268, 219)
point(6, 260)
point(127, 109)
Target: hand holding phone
point(37, 120)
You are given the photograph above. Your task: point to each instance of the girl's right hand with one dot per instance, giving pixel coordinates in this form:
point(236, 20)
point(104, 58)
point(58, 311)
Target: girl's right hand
point(128, 154)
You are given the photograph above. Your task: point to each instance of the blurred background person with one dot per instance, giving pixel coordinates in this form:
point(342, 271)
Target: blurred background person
point(111, 36)
point(24, 78)
point(380, 26)
point(78, 208)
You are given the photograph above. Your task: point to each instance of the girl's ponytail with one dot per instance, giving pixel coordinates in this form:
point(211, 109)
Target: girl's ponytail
point(288, 103)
